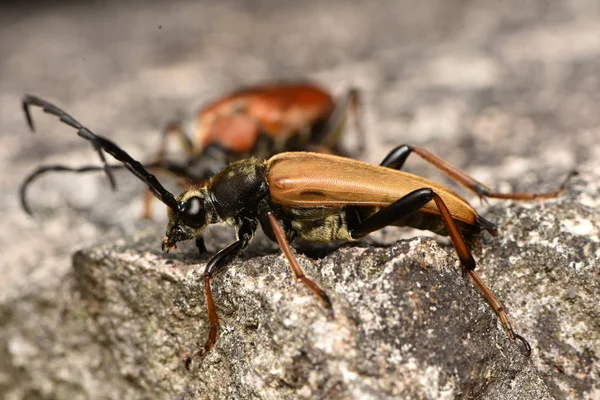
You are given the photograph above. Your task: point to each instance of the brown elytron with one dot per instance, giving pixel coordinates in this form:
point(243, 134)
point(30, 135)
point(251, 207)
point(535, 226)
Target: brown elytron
point(326, 180)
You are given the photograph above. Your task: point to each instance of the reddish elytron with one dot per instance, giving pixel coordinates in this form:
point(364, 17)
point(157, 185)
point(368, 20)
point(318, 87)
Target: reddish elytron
point(277, 111)
point(269, 119)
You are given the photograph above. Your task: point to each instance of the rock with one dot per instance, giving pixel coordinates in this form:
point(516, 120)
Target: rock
point(407, 324)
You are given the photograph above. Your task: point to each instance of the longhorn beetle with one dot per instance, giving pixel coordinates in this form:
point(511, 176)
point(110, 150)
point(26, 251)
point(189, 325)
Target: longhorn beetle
point(316, 197)
point(259, 121)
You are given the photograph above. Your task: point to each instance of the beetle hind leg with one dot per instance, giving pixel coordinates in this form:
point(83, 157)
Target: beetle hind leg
point(468, 262)
point(397, 157)
point(412, 203)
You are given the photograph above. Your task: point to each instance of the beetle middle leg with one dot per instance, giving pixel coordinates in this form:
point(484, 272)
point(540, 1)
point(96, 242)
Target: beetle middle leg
point(412, 203)
point(396, 158)
point(297, 270)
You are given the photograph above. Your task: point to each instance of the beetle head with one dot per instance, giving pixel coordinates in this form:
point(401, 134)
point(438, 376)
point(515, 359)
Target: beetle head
point(188, 220)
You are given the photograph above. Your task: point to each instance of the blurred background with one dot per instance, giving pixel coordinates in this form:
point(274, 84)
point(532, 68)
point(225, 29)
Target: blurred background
point(508, 90)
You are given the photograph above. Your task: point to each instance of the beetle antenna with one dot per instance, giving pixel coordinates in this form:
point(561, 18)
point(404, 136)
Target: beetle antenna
point(103, 144)
point(59, 168)
point(29, 100)
point(166, 166)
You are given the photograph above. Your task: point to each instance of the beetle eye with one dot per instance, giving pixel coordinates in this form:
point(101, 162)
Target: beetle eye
point(193, 212)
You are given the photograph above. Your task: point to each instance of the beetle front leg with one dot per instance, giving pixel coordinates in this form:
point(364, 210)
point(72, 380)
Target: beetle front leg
point(413, 202)
point(217, 263)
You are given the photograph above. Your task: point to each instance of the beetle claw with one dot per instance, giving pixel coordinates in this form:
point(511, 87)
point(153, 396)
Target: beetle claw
point(200, 354)
point(526, 347)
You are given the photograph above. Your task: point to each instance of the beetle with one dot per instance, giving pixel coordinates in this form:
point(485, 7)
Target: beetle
point(316, 197)
point(259, 121)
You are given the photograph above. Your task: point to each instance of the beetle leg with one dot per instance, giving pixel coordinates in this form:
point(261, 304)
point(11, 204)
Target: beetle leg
point(467, 260)
point(329, 135)
point(297, 270)
point(174, 129)
point(394, 212)
point(356, 110)
point(411, 203)
point(216, 264)
point(396, 158)
point(200, 245)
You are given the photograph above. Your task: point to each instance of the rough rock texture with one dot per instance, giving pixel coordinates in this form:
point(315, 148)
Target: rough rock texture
point(89, 307)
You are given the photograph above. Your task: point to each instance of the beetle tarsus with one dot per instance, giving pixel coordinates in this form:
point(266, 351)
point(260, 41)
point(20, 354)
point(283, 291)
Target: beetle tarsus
point(320, 293)
point(199, 355)
point(526, 347)
point(570, 175)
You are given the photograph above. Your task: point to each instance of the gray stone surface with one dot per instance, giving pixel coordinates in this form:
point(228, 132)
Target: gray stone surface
point(507, 90)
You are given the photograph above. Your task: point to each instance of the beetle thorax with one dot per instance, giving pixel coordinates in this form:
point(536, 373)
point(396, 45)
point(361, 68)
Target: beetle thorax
point(239, 188)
